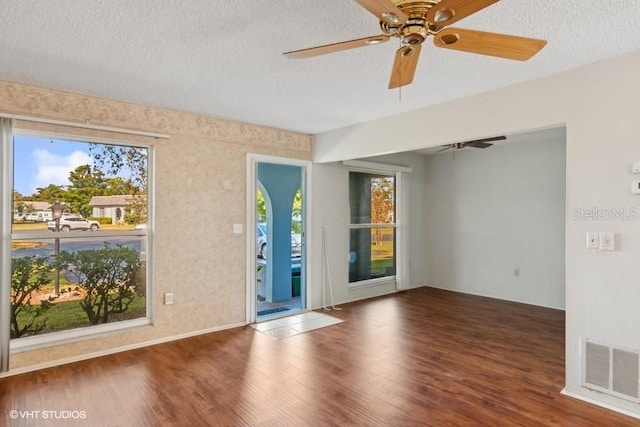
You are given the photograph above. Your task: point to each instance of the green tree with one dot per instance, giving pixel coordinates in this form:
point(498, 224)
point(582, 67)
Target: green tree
point(28, 276)
point(296, 226)
point(118, 186)
point(382, 204)
point(19, 203)
point(261, 206)
point(51, 193)
point(110, 277)
point(132, 161)
point(116, 159)
point(86, 182)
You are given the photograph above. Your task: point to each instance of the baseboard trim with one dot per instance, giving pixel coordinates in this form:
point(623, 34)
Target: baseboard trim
point(460, 291)
point(394, 291)
point(610, 407)
point(119, 349)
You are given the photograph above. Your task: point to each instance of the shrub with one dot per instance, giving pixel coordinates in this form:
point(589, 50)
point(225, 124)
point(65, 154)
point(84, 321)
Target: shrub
point(28, 276)
point(106, 221)
point(110, 277)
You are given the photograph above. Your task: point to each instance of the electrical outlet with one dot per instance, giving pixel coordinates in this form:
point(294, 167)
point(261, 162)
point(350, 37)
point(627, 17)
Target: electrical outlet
point(237, 228)
point(635, 167)
point(593, 240)
point(635, 187)
point(168, 298)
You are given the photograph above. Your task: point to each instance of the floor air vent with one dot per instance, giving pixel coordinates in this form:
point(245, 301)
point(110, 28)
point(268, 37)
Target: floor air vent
point(612, 370)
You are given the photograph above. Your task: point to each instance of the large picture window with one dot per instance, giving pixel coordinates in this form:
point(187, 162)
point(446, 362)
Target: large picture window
point(372, 228)
point(78, 235)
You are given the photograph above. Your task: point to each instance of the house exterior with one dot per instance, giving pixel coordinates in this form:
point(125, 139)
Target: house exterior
point(33, 211)
point(114, 207)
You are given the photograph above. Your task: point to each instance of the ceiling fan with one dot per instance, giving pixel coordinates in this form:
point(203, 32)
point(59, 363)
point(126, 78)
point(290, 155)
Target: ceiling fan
point(476, 143)
point(412, 21)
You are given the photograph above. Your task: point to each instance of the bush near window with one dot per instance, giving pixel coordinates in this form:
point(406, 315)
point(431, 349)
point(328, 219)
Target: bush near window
point(29, 275)
point(110, 277)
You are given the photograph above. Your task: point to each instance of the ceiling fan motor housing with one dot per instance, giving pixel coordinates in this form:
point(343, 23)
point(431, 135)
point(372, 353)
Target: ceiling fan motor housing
point(417, 28)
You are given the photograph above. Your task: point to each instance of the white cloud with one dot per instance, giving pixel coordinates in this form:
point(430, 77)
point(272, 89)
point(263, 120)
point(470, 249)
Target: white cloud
point(54, 169)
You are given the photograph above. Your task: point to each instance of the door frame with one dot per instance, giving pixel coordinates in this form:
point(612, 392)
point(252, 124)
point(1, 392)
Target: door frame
point(252, 173)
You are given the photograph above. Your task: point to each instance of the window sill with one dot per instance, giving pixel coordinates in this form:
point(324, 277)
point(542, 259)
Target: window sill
point(37, 342)
point(373, 282)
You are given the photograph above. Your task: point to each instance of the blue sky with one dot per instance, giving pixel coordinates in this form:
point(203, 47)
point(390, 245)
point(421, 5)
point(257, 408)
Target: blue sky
point(42, 161)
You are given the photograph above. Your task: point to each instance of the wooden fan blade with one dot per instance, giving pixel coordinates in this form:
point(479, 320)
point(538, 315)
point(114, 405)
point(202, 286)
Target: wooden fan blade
point(336, 47)
point(404, 66)
point(384, 10)
point(449, 11)
point(493, 138)
point(478, 144)
point(492, 44)
point(447, 148)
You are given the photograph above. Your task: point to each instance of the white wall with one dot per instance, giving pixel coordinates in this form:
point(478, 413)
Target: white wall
point(492, 211)
point(331, 208)
point(600, 105)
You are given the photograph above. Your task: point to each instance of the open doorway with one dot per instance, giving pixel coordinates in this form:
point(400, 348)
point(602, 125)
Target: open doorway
point(277, 283)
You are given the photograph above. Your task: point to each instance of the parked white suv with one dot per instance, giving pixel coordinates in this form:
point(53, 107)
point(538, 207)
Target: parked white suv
point(73, 223)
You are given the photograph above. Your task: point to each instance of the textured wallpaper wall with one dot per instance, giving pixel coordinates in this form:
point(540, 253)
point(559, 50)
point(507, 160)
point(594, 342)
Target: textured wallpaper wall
point(200, 172)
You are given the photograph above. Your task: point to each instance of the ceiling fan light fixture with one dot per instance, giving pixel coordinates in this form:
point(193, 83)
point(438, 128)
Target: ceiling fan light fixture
point(391, 17)
point(444, 15)
point(413, 39)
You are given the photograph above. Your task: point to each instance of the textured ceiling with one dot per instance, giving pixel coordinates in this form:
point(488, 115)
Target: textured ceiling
point(224, 58)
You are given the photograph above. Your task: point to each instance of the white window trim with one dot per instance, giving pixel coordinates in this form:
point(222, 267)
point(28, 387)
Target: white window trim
point(402, 276)
point(389, 170)
point(6, 218)
point(34, 342)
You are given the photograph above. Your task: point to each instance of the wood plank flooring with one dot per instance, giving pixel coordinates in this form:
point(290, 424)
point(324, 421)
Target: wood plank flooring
point(424, 357)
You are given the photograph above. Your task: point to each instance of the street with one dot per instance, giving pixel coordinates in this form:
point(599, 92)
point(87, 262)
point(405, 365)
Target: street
point(74, 245)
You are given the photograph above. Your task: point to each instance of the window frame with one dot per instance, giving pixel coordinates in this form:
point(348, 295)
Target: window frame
point(384, 171)
point(17, 345)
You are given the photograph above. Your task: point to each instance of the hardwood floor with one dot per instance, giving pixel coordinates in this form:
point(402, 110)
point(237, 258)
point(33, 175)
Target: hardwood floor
point(421, 357)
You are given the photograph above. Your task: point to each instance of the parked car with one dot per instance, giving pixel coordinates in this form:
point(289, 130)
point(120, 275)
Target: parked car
point(140, 227)
point(73, 223)
point(261, 242)
point(31, 216)
point(38, 216)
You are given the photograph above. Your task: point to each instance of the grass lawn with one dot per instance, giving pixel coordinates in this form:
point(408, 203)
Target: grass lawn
point(382, 256)
point(69, 315)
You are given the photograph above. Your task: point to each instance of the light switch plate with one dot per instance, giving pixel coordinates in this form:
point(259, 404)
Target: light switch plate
point(593, 240)
point(168, 298)
point(237, 228)
point(607, 241)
